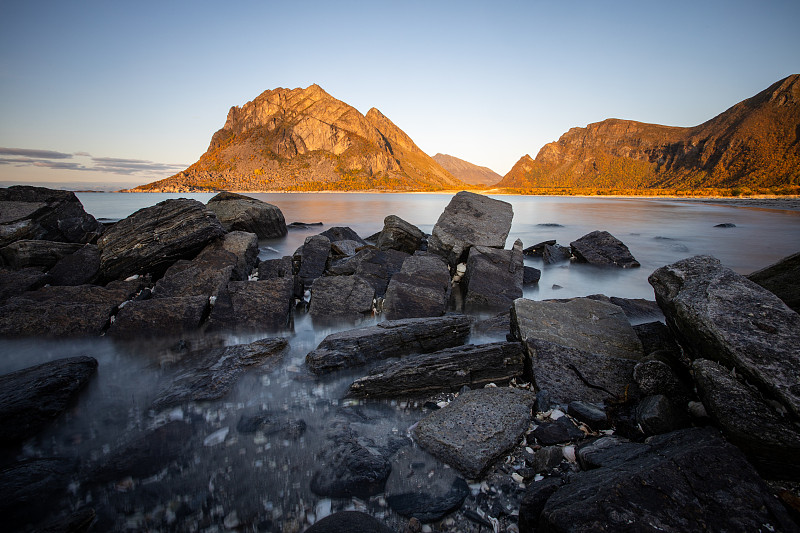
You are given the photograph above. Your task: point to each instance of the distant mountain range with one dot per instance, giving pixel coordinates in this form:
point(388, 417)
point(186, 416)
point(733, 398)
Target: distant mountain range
point(466, 171)
point(303, 140)
point(755, 143)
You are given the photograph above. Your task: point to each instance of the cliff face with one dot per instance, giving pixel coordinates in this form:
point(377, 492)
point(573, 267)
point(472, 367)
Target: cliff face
point(304, 139)
point(466, 171)
point(755, 143)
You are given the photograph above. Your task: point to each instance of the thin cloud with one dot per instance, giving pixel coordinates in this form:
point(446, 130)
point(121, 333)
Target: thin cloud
point(111, 165)
point(38, 154)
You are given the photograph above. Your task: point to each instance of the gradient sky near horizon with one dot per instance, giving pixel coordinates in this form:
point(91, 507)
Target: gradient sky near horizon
point(118, 94)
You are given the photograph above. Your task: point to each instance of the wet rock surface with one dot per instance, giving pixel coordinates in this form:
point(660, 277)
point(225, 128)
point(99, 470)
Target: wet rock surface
point(553, 254)
point(32, 397)
point(237, 212)
point(161, 316)
point(493, 279)
point(421, 288)
point(397, 234)
point(392, 338)
point(603, 249)
point(313, 256)
point(254, 305)
point(336, 297)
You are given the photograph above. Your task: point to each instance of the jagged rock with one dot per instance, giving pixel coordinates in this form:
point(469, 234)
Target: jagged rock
point(275, 268)
point(545, 459)
point(533, 503)
point(151, 239)
point(341, 297)
point(656, 337)
point(470, 220)
point(78, 268)
point(477, 428)
point(213, 373)
point(590, 414)
point(30, 488)
point(378, 267)
point(397, 234)
point(570, 374)
point(351, 466)
point(194, 278)
point(555, 253)
point(349, 522)
point(723, 316)
point(683, 481)
point(537, 249)
point(16, 282)
point(254, 305)
point(421, 288)
point(634, 308)
point(771, 441)
point(41, 254)
point(493, 279)
point(345, 248)
point(313, 258)
point(270, 423)
point(656, 415)
point(392, 338)
point(782, 279)
point(725, 225)
point(557, 432)
point(499, 324)
point(602, 248)
point(412, 492)
point(607, 451)
point(530, 275)
point(64, 311)
point(39, 213)
point(656, 377)
point(237, 212)
point(588, 325)
point(242, 245)
point(32, 397)
point(154, 317)
point(446, 370)
point(342, 233)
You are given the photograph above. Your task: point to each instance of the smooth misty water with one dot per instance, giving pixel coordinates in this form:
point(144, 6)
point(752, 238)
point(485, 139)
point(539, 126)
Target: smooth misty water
point(265, 479)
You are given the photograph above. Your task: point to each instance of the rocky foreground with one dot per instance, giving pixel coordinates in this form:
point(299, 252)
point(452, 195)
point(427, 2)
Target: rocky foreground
point(575, 421)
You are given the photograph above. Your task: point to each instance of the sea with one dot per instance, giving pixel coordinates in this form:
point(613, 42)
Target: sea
point(261, 482)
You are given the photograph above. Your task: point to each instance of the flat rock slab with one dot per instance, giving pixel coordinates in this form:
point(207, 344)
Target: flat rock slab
point(32, 397)
point(254, 306)
point(420, 289)
point(16, 282)
point(393, 338)
point(603, 249)
point(215, 372)
point(35, 253)
point(581, 323)
point(159, 317)
point(397, 234)
point(446, 370)
point(782, 279)
point(688, 480)
point(336, 297)
point(193, 278)
point(238, 212)
point(470, 220)
point(151, 239)
point(493, 279)
point(476, 428)
point(725, 317)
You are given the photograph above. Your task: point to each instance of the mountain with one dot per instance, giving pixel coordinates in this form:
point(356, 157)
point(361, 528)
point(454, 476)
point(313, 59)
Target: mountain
point(466, 171)
point(304, 139)
point(755, 143)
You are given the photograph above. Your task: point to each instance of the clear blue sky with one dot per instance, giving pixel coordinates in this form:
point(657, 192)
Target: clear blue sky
point(130, 92)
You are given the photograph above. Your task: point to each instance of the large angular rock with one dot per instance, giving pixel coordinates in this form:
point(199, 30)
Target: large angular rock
point(313, 258)
point(153, 238)
point(254, 306)
point(39, 213)
point(341, 297)
point(493, 279)
point(241, 245)
point(78, 268)
point(771, 441)
point(213, 373)
point(555, 253)
point(16, 282)
point(275, 268)
point(588, 325)
point(443, 371)
point(571, 374)
point(602, 248)
point(378, 267)
point(393, 338)
point(39, 254)
point(397, 234)
point(193, 278)
point(342, 233)
point(237, 212)
point(688, 480)
point(723, 316)
point(32, 397)
point(782, 279)
point(420, 289)
point(159, 317)
point(470, 220)
point(476, 428)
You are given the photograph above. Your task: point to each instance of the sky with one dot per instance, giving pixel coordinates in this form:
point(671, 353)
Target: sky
point(114, 94)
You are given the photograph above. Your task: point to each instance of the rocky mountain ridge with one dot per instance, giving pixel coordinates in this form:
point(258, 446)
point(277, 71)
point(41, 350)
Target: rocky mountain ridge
point(466, 171)
point(305, 139)
point(755, 143)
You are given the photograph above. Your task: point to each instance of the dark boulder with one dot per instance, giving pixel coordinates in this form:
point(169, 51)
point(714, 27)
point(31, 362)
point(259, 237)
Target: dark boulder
point(341, 297)
point(239, 248)
point(590, 414)
point(656, 377)
point(470, 220)
point(39, 213)
point(420, 289)
point(275, 268)
point(313, 258)
point(530, 275)
point(254, 306)
point(194, 278)
point(477, 428)
point(345, 248)
point(557, 432)
point(782, 279)
point(32, 397)
point(656, 415)
point(636, 309)
point(392, 338)
point(237, 212)
point(656, 337)
point(378, 267)
point(213, 373)
point(602, 248)
point(534, 501)
point(78, 268)
point(31, 489)
point(537, 249)
point(493, 279)
point(151, 239)
point(155, 317)
point(397, 234)
point(608, 451)
point(351, 466)
point(688, 480)
point(349, 522)
point(39, 254)
point(555, 253)
point(721, 315)
point(443, 371)
point(271, 423)
point(342, 233)
point(16, 282)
